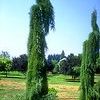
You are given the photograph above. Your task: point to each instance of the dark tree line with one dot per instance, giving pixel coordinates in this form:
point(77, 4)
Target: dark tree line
point(14, 64)
point(50, 66)
point(20, 63)
point(70, 65)
point(59, 63)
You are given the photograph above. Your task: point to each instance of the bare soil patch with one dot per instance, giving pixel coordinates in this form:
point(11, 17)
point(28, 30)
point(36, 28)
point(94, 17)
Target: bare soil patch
point(12, 84)
point(66, 92)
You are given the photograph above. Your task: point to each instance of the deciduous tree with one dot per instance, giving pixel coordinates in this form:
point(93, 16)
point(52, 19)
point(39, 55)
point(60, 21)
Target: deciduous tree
point(5, 63)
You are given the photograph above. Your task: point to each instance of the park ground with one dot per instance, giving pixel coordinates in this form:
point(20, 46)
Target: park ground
point(14, 86)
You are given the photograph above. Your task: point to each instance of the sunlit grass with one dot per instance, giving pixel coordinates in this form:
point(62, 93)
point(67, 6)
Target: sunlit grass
point(13, 87)
point(62, 79)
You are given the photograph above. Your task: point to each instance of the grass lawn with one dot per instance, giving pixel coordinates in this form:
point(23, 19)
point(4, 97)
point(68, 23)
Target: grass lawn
point(67, 88)
point(62, 79)
point(13, 87)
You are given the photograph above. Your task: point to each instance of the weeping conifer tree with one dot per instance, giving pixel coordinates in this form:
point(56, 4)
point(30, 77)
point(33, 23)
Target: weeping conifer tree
point(41, 19)
point(83, 72)
point(93, 54)
point(90, 54)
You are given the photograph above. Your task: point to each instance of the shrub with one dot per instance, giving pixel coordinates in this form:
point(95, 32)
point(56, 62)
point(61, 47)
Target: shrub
point(56, 69)
point(75, 72)
point(51, 95)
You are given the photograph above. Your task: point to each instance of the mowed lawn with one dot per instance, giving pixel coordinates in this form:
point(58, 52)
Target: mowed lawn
point(13, 87)
point(67, 88)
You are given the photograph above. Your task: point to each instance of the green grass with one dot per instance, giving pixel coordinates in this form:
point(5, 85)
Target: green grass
point(97, 77)
point(13, 87)
point(11, 94)
point(62, 79)
point(13, 74)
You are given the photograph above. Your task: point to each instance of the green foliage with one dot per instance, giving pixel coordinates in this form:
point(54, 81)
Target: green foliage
point(5, 54)
point(98, 62)
point(56, 69)
point(20, 63)
point(98, 65)
point(56, 66)
point(50, 65)
point(62, 66)
point(5, 64)
point(76, 72)
point(72, 61)
point(96, 91)
point(90, 55)
point(83, 72)
point(67, 64)
point(41, 19)
point(52, 95)
point(47, 15)
point(62, 54)
point(94, 21)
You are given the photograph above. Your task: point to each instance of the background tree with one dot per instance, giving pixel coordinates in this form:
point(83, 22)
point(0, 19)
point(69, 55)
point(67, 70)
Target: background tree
point(76, 72)
point(63, 66)
point(5, 62)
point(67, 64)
point(50, 59)
point(73, 61)
point(56, 67)
point(41, 19)
point(62, 54)
point(5, 54)
point(20, 63)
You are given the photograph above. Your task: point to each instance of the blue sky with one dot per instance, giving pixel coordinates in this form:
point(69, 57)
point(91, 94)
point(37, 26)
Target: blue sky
point(72, 23)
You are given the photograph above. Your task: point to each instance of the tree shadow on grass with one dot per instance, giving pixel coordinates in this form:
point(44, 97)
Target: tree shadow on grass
point(73, 80)
point(15, 77)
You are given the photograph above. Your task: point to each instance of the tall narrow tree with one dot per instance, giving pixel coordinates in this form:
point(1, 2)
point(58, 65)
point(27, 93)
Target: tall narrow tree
point(41, 19)
point(83, 72)
point(62, 54)
point(90, 54)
